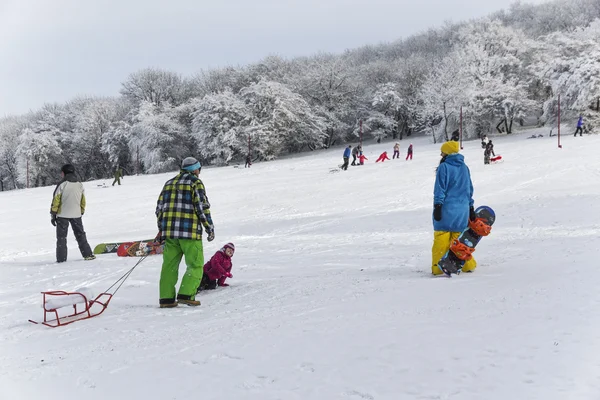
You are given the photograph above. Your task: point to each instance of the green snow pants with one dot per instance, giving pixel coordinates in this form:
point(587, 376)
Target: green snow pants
point(174, 250)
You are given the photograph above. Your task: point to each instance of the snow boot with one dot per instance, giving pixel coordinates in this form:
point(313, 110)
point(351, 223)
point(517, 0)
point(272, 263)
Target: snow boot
point(187, 300)
point(167, 303)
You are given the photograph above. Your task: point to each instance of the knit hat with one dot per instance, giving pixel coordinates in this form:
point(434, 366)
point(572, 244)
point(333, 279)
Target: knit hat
point(450, 147)
point(68, 169)
point(190, 164)
point(229, 246)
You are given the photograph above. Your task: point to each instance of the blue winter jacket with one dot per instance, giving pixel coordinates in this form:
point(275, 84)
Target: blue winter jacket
point(454, 191)
point(347, 152)
point(580, 122)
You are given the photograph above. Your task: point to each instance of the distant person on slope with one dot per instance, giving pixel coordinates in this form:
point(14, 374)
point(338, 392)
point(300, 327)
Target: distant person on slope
point(456, 135)
point(182, 210)
point(355, 152)
point(579, 126)
point(396, 151)
point(118, 175)
point(248, 161)
point(488, 152)
point(409, 153)
point(452, 204)
point(218, 269)
point(347, 152)
point(68, 206)
point(382, 157)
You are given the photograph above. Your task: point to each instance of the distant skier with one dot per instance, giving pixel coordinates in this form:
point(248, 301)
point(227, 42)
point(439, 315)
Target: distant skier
point(355, 152)
point(455, 136)
point(118, 175)
point(248, 161)
point(347, 152)
point(579, 126)
point(218, 269)
point(488, 152)
point(396, 151)
point(383, 157)
point(362, 158)
point(409, 153)
point(452, 204)
point(68, 206)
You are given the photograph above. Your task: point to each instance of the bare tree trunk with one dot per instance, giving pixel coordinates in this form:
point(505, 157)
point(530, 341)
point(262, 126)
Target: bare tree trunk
point(500, 124)
point(507, 126)
point(433, 134)
point(445, 123)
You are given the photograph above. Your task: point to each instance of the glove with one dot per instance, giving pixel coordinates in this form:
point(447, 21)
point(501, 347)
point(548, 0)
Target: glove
point(228, 274)
point(472, 215)
point(437, 212)
point(211, 236)
point(53, 219)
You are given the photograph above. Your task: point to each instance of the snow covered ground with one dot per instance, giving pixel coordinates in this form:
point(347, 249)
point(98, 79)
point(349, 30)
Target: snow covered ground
point(332, 296)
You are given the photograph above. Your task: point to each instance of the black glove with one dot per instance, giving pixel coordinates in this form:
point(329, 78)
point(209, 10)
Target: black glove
point(437, 212)
point(211, 236)
point(53, 219)
point(472, 215)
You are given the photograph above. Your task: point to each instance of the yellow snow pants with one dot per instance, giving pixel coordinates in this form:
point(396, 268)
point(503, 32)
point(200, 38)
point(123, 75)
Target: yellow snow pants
point(441, 244)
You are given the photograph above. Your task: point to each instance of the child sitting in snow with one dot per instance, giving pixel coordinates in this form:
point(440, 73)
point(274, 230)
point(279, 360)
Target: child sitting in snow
point(218, 269)
point(362, 158)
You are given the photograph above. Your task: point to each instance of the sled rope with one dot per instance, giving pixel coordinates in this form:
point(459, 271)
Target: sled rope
point(123, 278)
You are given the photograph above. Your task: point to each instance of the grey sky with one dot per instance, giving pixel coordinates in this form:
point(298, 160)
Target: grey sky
point(53, 50)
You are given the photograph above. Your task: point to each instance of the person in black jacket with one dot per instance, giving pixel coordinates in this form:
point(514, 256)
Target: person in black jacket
point(488, 152)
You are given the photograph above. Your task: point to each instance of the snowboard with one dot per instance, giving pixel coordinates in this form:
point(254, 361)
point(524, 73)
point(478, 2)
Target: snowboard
point(105, 248)
point(140, 248)
point(461, 248)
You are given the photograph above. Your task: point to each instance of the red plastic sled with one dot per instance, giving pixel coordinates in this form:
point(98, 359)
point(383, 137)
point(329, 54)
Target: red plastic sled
point(87, 308)
point(496, 158)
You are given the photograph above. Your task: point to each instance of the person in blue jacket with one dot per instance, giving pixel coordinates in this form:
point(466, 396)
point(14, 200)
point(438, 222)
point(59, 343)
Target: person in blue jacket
point(452, 204)
point(347, 153)
point(579, 126)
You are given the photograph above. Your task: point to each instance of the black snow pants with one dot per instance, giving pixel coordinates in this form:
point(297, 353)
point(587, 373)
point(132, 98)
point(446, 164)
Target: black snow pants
point(62, 228)
point(345, 164)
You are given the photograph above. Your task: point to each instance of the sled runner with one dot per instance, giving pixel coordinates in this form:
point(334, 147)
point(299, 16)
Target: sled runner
point(84, 305)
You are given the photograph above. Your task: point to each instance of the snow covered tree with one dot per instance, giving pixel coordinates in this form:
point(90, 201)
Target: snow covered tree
point(155, 86)
point(281, 120)
point(569, 64)
point(327, 84)
point(219, 126)
point(158, 140)
point(10, 130)
point(386, 104)
point(444, 91)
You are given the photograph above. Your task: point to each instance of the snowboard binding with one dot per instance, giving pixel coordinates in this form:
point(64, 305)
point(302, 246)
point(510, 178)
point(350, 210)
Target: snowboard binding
point(462, 248)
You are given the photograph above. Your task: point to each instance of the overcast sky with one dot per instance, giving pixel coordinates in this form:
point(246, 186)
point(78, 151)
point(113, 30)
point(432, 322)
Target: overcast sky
point(54, 50)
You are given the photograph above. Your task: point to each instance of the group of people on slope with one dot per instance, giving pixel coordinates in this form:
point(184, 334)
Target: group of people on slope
point(182, 211)
point(357, 153)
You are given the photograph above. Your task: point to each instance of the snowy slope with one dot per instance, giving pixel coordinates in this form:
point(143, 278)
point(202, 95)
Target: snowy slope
point(332, 296)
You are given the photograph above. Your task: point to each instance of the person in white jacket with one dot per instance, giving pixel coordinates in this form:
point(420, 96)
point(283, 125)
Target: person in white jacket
point(68, 206)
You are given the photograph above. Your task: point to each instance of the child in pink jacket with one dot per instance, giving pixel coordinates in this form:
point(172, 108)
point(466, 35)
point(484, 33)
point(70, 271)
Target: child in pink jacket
point(218, 269)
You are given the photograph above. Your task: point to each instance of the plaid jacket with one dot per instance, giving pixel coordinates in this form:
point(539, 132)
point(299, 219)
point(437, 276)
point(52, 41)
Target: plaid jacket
point(182, 208)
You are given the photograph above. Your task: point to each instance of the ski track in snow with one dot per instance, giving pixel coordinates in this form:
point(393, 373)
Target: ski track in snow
point(332, 296)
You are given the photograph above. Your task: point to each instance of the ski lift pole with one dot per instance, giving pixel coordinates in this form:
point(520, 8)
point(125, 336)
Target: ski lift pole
point(361, 133)
point(461, 127)
point(559, 145)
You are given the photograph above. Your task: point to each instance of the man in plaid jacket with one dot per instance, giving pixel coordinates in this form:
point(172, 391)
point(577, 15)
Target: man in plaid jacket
point(182, 209)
